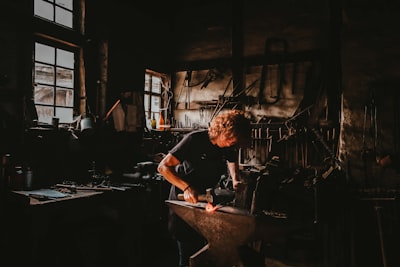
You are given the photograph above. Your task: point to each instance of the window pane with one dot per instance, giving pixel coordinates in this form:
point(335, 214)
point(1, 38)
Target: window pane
point(45, 114)
point(64, 114)
point(155, 103)
point(156, 85)
point(148, 116)
point(43, 9)
point(65, 97)
point(43, 95)
point(65, 58)
point(65, 78)
point(64, 17)
point(147, 83)
point(44, 53)
point(146, 102)
point(156, 116)
point(44, 74)
point(65, 3)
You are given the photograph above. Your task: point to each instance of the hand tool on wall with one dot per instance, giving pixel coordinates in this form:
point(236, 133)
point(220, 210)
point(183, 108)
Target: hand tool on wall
point(188, 78)
point(369, 135)
point(281, 46)
point(335, 160)
point(185, 84)
point(212, 75)
point(294, 77)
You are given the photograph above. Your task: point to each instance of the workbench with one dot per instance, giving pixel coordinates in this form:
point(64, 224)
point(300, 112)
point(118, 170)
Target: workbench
point(86, 228)
point(47, 196)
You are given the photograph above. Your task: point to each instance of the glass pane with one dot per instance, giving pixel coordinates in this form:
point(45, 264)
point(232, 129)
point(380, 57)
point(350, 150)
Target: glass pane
point(44, 53)
point(155, 103)
point(65, 3)
point(148, 120)
point(45, 114)
point(65, 58)
point(147, 83)
point(43, 95)
point(44, 74)
point(65, 78)
point(43, 9)
point(146, 102)
point(148, 116)
point(64, 97)
point(64, 114)
point(156, 116)
point(64, 17)
point(156, 85)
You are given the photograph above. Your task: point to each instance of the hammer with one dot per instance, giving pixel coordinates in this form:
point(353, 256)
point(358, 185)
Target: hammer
point(213, 197)
point(208, 197)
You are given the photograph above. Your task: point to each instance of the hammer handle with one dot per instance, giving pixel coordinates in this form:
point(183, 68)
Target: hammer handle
point(201, 198)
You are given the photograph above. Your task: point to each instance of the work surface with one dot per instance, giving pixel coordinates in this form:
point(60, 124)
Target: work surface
point(65, 192)
point(46, 196)
point(83, 226)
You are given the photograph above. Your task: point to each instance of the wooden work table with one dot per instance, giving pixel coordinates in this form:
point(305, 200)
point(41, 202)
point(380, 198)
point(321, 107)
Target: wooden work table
point(34, 198)
point(89, 227)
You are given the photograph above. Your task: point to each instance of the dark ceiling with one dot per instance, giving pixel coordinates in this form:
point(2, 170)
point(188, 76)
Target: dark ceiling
point(192, 31)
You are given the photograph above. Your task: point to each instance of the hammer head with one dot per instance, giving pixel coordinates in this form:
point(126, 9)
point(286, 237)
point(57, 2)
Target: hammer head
point(219, 196)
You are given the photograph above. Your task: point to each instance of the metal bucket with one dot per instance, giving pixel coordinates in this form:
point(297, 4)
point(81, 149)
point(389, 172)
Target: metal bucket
point(87, 125)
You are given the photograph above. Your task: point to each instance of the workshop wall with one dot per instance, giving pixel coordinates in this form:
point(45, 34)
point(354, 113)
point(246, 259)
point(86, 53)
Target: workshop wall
point(370, 122)
point(14, 80)
point(350, 63)
point(284, 53)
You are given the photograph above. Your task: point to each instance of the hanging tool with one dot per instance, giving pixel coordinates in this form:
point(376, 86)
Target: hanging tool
point(370, 114)
point(212, 75)
point(225, 100)
point(336, 161)
point(294, 77)
point(269, 44)
point(167, 95)
point(185, 84)
point(371, 111)
point(188, 78)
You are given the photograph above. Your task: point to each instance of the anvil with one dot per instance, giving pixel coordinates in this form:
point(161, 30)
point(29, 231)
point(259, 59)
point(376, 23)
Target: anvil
point(226, 230)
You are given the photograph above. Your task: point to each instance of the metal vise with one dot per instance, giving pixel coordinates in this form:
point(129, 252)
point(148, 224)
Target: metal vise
point(214, 196)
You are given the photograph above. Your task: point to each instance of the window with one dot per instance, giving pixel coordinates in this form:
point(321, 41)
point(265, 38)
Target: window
point(55, 60)
point(53, 83)
point(56, 11)
point(152, 96)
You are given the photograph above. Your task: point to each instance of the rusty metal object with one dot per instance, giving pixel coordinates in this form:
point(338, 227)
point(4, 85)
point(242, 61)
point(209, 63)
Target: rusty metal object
point(226, 231)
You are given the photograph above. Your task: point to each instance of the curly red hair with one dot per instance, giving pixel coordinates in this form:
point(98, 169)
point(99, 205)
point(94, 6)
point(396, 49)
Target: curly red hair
point(232, 124)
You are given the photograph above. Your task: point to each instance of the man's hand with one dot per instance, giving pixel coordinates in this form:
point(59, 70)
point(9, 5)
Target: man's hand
point(239, 186)
point(190, 195)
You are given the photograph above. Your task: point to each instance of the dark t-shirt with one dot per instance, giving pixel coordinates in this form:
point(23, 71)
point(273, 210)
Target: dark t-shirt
point(201, 163)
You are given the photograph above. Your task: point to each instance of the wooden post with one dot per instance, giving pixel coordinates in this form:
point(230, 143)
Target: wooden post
point(103, 56)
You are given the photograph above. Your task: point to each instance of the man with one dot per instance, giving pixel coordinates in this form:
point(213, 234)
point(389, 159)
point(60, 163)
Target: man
point(197, 163)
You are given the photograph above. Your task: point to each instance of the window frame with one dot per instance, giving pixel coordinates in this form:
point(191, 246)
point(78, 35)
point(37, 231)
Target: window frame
point(70, 39)
point(150, 113)
point(55, 87)
point(55, 5)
